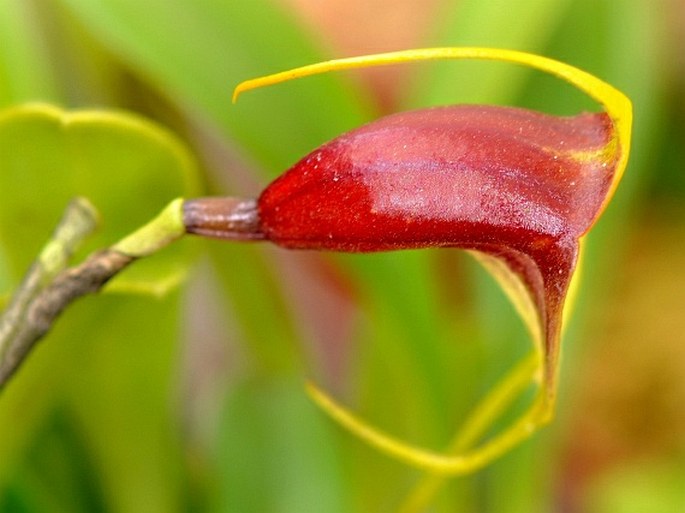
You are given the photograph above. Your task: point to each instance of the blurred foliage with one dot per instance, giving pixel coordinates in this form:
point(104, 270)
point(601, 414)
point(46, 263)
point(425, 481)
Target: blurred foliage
point(193, 402)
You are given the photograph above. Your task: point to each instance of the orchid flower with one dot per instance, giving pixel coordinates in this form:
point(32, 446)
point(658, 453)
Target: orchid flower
point(518, 189)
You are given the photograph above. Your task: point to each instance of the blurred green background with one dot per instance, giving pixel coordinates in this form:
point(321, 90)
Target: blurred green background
point(193, 401)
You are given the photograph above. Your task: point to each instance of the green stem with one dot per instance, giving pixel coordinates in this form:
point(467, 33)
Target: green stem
point(164, 229)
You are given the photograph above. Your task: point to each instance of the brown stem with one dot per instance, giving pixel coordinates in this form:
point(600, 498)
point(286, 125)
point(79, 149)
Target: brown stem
point(43, 310)
point(223, 218)
point(50, 287)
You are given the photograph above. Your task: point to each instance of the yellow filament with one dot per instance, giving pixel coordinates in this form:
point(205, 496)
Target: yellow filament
point(459, 459)
point(616, 104)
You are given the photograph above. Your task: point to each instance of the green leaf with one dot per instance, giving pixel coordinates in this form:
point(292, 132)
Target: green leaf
point(635, 486)
point(112, 361)
point(24, 62)
point(198, 51)
point(488, 23)
point(278, 453)
point(55, 474)
point(128, 167)
point(121, 399)
point(250, 277)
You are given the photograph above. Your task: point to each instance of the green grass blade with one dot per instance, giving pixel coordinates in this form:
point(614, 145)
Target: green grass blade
point(277, 453)
point(523, 25)
point(25, 69)
point(198, 51)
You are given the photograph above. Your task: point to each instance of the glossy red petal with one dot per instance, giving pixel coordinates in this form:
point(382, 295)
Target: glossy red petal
point(450, 176)
point(515, 184)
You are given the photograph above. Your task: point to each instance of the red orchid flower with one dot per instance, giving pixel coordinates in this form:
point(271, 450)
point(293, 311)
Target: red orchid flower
point(517, 188)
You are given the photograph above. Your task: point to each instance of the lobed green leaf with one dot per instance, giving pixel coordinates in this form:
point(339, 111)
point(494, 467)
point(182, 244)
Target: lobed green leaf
point(128, 167)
